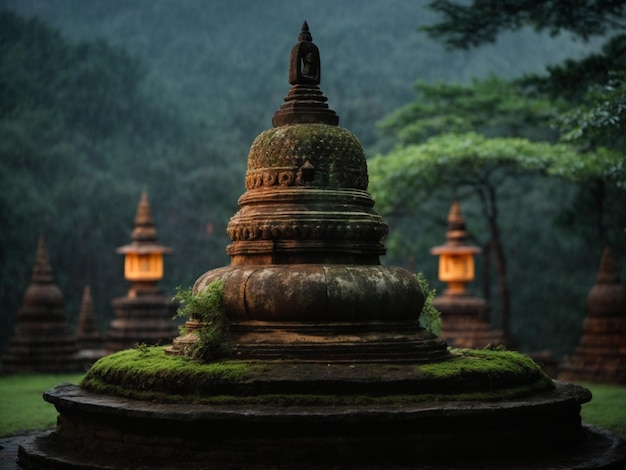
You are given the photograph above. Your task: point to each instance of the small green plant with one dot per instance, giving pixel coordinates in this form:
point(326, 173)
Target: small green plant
point(206, 307)
point(143, 348)
point(430, 318)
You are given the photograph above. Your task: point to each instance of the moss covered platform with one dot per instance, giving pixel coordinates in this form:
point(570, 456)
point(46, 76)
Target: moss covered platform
point(149, 374)
point(143, 409)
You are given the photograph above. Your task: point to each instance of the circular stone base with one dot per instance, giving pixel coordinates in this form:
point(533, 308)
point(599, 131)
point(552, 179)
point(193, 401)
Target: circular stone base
point(598, 449)
point(101, 431)
point(104, 432)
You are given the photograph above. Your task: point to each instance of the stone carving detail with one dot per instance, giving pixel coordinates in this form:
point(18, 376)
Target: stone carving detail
point(285, 177)
point(268, 177)
point(373, 230)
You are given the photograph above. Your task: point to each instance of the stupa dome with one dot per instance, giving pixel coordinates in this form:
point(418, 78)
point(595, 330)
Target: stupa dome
point(315, 155)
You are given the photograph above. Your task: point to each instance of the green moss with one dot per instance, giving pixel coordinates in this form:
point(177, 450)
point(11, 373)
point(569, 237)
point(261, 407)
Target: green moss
point(148, 371)
point(149, 374)
point(488, 368)
point(486, 361)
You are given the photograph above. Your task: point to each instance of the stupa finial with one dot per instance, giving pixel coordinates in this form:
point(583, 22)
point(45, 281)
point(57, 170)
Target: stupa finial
point(304, 63)
point(87, 316)
point(456, 234)
point(42, 272)
point(144, 231)
point(305, 103)
point(607, 273)
point(305, 35)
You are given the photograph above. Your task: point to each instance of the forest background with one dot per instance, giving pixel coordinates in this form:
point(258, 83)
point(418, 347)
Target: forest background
point(100, 100)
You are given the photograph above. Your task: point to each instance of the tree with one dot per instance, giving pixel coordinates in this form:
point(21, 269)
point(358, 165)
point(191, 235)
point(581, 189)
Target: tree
point(492, 106)
point(466, 26)
point(593, 86)
point(504, 111)
point(82, 132)
point(473, 165)
point(601, 119)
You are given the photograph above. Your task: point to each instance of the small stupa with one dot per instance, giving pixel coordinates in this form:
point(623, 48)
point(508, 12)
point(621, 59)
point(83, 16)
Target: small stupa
point(601, 352)
point(89, 337)
point(43, 340)
point(144, 315)
point(464, 321)
point(327, 365)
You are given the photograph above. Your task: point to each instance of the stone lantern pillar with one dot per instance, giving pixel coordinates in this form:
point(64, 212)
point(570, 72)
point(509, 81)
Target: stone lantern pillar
point(145, 314)
point(464, 321)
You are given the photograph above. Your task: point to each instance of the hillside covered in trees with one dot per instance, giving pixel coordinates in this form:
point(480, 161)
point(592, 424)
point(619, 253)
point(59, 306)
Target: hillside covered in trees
point(99, 100)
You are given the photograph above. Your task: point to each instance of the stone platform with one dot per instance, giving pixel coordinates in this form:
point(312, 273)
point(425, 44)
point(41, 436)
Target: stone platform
point(541, 432)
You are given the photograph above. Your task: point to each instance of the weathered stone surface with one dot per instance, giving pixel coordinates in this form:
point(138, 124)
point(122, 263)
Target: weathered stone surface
point(460, 434)
point(317, 292)
point(278, 157)
point(464, 322)
point(145, 319)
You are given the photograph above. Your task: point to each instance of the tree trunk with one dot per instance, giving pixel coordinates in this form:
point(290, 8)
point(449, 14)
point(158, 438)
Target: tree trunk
point(489, 204)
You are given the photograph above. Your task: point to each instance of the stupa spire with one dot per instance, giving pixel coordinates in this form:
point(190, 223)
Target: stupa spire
point(86, 317)
point(305, 102)
point(607, 273)
point(42, 272)
point(88, 335)
point(456, 234)
point(144, 231)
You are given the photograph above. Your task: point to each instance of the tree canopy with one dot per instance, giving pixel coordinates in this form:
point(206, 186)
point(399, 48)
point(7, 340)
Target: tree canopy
point(82, 132)
point(478, 141)
point(482, 21)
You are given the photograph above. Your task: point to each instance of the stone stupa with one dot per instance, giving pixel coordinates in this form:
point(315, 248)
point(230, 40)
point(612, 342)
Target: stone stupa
point(328, 366)
point(600, 355)
point(43, 340)
point(90, 339)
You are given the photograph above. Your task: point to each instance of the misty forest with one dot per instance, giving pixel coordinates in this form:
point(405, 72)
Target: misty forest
point(517, 114)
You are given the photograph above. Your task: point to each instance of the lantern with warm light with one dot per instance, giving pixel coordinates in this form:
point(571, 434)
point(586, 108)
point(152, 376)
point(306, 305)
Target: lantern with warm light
point(456, 257)
point(143, 264)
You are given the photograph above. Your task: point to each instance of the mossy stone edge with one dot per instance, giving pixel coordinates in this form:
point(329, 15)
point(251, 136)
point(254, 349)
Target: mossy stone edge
point(148, 374)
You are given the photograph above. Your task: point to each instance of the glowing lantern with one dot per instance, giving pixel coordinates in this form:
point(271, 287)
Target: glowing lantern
point(456, 257)
point(143, 261)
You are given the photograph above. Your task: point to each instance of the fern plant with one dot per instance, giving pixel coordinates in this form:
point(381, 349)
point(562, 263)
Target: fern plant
point(206, 307)
point(430, 318)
